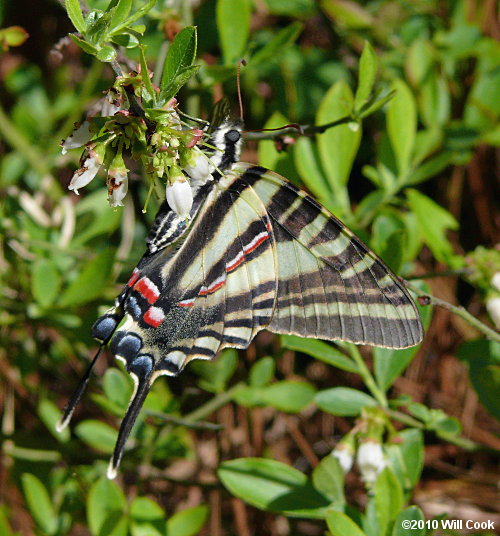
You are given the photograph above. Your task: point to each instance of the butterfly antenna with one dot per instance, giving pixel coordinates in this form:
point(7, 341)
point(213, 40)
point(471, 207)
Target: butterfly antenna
point(141, 371)
point(238, 83)
point(77, 395)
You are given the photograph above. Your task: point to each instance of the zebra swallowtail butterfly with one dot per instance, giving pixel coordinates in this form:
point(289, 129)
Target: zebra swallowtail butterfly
point(257, 253)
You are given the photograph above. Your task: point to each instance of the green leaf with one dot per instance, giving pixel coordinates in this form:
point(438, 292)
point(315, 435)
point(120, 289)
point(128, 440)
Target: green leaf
point(262, 372)
point(233, 25)
point(180, 80)
point(106, 54)
point(97, 29)
point(146, 80)
point(328, 479)
point(106, 506)
point(97, 435)
point(390, 363)
point(90, 282)
point(49, 413)
point(403, 525)
point(320, 350)
point(419, 61)
point(216, 374)
point(341, 525)
point(138, 14)
point(180, 56)
point(147, 518)
point(484, 371)
point(75, 14)
point(275, 47)
point(120, 14)
point(271, 485)
point(348, 13)
point(45, 282)
point(117, 387)
point(39, 503)
point(433, 222)
point(372, 106)
point(189, 522)
point(343, 401)
point(270, 157)
point(338, 145)
point(86, 47)
point(368, 65)
point(402, 125)
point(388, 498)
point(431, 168)
point(289, 396)
point(435, 101)
point(4, 523)
point(145, 509)
point(292, 8)
point(407, 457)
point(306, 160)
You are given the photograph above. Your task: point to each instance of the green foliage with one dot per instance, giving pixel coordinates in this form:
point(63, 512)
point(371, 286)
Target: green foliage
point(415, 96)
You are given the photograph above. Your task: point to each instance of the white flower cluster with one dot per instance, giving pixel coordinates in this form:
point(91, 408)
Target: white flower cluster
point(168, 149)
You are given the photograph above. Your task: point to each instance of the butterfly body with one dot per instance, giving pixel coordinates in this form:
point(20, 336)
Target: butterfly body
point(257, 252)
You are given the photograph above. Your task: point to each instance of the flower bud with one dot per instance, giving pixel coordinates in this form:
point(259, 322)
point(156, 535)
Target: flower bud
point(495, 281)
point(179, 193)
point(371, 460)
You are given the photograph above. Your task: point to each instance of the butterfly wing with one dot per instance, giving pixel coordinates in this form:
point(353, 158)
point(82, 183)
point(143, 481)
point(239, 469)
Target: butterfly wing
point(217, 288)
point(260, 253)
point(330, 285)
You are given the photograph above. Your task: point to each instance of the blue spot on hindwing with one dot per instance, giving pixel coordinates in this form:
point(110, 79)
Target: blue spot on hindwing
point(104, 327)
point(133, 308)
point(141, 366)
point(126, 345)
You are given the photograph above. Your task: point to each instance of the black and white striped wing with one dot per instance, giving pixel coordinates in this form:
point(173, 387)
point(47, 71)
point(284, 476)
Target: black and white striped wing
point(259, 253)
point(330, 285)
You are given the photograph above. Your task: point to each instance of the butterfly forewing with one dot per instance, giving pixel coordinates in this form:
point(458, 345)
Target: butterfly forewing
point(330, 285)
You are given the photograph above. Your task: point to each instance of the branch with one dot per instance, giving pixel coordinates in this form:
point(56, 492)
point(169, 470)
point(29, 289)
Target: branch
point(428, 299)
point(203, 425)
point(296, 130)
point(134, 105)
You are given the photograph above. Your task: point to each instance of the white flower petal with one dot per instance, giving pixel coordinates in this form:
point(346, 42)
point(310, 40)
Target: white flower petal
point(345, 458)
point(180, 197)
point(86, 173)
point(493, 306)
point(117, 189)
point(80, 137)
point(495, 281)
point(371, 460)
point(201, 169)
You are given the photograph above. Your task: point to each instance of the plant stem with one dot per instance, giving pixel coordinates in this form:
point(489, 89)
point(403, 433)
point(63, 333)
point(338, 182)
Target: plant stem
point(183, 422)
point(365, 373)
point(212, 405)
point(461, 442)
point(429, 299)
point(296, 130)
